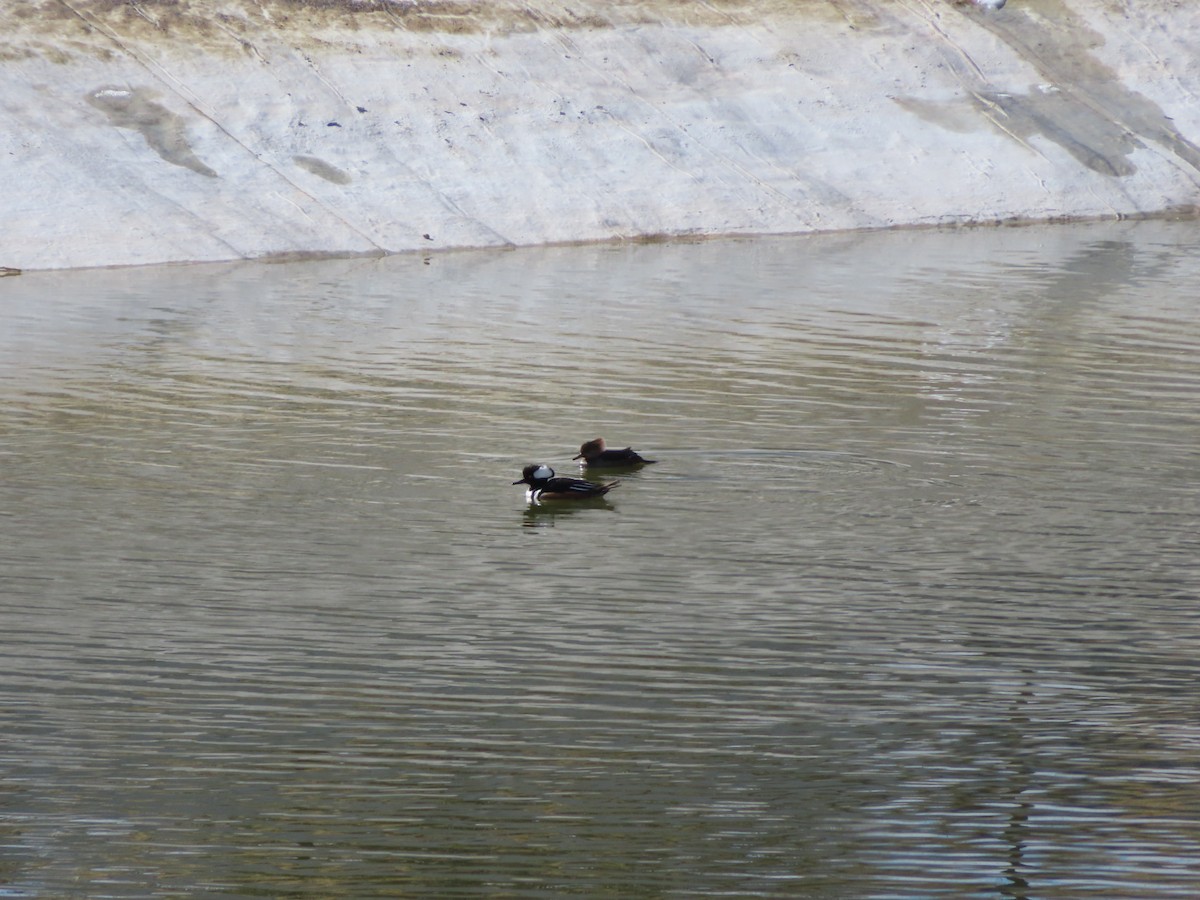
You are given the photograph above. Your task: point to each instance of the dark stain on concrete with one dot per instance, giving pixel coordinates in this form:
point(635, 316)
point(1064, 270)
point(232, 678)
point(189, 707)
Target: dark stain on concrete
point(322, 169)
point(164, 131)
point(1082, 105)
point(1095, 141)
point(1100, 119)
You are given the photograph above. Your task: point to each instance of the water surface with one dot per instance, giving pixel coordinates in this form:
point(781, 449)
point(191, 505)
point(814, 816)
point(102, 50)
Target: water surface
point(908, 607)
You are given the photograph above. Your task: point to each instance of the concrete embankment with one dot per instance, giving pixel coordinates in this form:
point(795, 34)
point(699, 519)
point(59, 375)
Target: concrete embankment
point(154, 131)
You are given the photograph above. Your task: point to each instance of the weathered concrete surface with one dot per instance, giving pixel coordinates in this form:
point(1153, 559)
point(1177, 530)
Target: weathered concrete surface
point(173, 130)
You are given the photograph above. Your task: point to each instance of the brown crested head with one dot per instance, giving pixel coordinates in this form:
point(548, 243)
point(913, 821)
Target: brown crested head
point(590, 448)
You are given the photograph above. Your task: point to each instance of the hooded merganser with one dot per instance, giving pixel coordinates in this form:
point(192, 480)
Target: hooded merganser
point(595, 454)
point(545, 485)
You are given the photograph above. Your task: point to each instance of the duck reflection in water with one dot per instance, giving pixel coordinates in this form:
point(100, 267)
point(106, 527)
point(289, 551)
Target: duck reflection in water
point(547, 515)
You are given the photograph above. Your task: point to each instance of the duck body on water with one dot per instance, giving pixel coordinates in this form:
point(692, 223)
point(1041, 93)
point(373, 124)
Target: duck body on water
point(544, 485)
point(594, 454)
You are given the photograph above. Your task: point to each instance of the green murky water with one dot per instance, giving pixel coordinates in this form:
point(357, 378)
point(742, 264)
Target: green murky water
point(910, 607)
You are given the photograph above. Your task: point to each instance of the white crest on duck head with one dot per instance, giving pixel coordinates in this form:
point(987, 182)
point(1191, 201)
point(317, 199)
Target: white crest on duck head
point(542, 471)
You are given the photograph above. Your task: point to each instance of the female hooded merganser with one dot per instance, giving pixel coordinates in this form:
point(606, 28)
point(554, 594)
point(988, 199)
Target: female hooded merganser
point(545, 485)
point(594, 454)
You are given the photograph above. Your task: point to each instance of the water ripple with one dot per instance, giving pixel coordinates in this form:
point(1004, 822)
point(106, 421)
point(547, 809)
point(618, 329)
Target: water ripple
point(906, 609)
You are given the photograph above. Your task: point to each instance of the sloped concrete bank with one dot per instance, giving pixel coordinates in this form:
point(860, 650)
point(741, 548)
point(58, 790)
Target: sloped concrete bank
point(186, 130)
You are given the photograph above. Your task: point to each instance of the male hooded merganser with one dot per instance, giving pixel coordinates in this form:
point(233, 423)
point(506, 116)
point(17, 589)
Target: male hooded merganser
point(545, 485)
point(594, 454)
